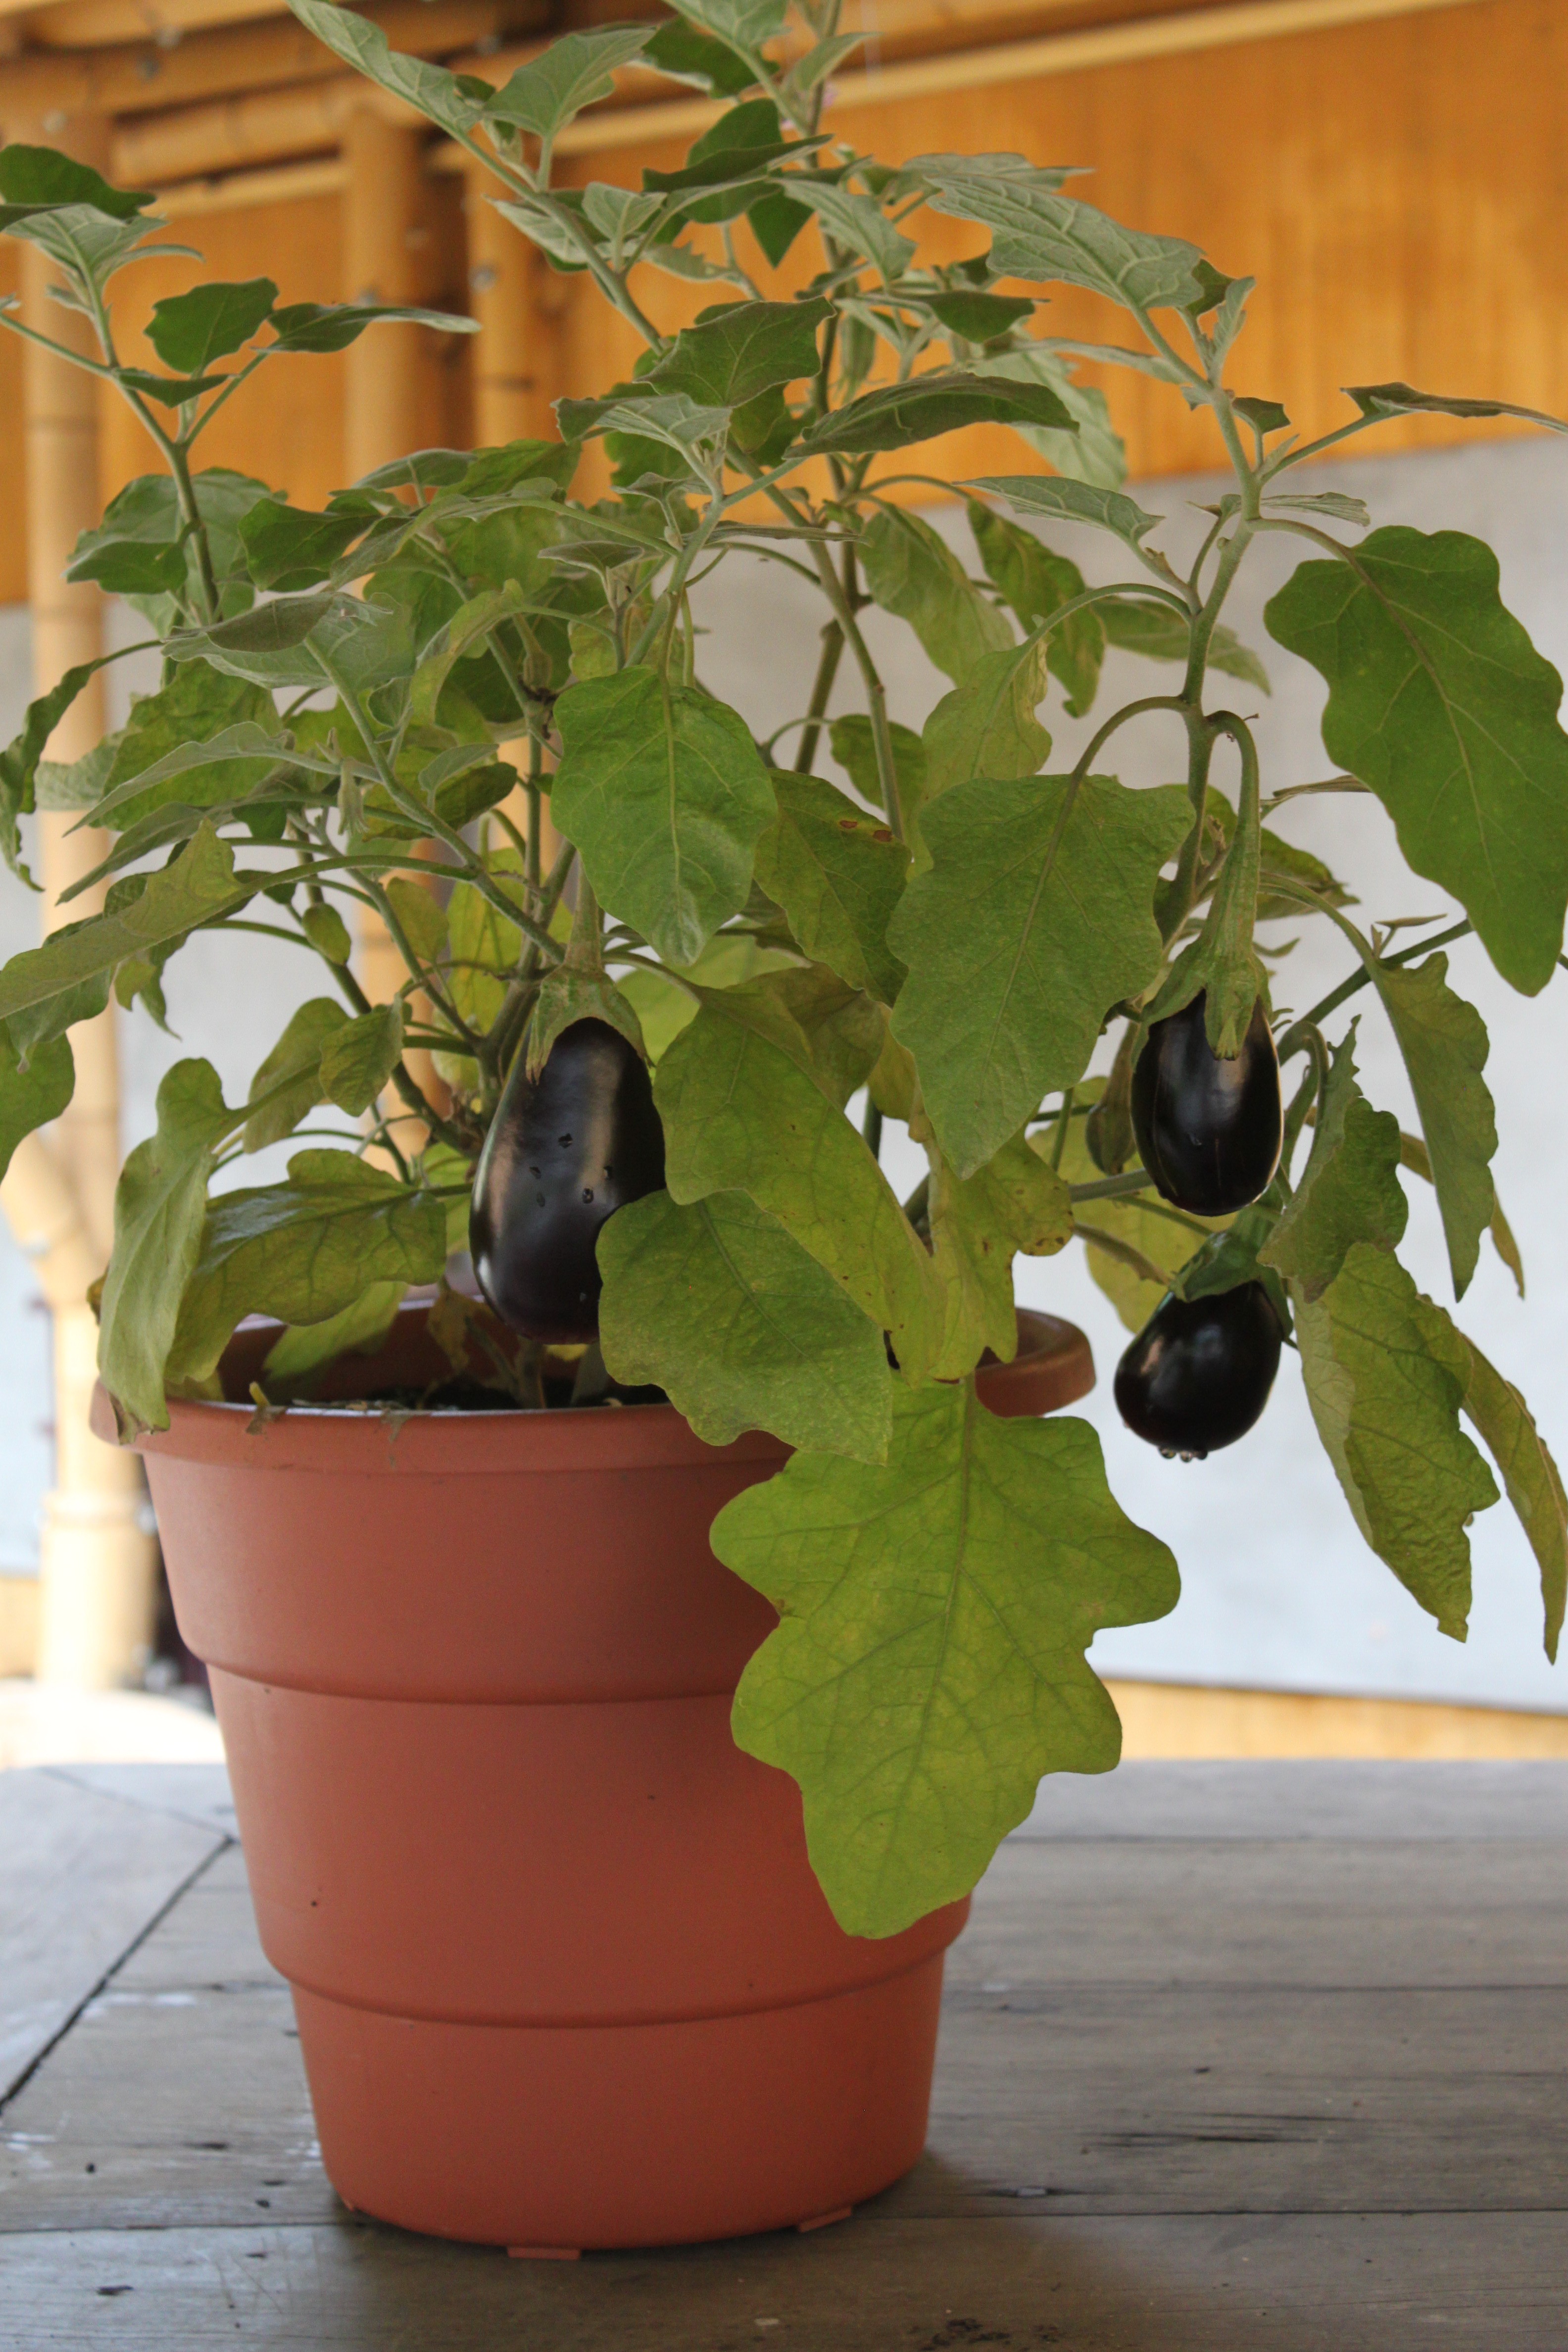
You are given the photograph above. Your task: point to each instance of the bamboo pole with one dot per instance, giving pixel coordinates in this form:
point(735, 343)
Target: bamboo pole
point(97, 1555)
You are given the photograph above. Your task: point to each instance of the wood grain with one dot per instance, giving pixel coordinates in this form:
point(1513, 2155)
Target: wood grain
point(82, 1874)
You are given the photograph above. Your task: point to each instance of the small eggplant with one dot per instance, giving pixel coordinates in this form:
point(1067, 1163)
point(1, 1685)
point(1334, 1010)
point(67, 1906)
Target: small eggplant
point(1209, 1130)
point(565, 1151)
point(1198, 1374)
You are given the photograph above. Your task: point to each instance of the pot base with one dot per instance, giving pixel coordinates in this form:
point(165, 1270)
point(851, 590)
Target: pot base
point(562, 2137)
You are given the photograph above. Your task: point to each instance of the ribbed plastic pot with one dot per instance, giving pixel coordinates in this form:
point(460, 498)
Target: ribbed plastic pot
point(563, 1974)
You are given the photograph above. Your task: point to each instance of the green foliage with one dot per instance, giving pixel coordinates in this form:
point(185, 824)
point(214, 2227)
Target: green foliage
point(370, 711)
point(718, 1306)
point(1440, 702)
point(930, 1666)
point(1036, 917)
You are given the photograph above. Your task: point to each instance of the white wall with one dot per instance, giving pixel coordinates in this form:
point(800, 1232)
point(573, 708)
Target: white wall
point(1279, 1587)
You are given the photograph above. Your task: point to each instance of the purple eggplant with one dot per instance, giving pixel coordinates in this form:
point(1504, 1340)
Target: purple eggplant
point(1198, 1375)
point(1209, 1130)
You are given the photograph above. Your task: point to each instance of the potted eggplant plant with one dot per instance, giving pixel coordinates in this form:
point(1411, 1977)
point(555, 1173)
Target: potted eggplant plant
point(629, 1659)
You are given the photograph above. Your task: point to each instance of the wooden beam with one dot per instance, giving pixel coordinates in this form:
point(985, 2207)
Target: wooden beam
point(280, 184)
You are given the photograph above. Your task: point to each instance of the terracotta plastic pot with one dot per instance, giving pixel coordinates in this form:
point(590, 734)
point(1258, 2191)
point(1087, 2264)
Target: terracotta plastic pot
point(563, 1974)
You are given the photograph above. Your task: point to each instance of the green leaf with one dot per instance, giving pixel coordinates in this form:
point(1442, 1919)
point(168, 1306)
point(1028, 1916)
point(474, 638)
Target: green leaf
point(290, 549)
point(188, 331)
point(356, 1062)
point(745, 24)
point(297, 1056)
point(42, 177)
point(1160, 634)
point(850, 742)
point(1093, 452)
point(1064, 501)
point(739, 351)
point(306, 1251)
point(306, 1348)
point(716, 1305)
point(1123, 1238)
point(839, 875)
point(665, 795)
point(1399, 400)
point(160, 1205)
point(979, 318)
point(1387, 1405)
point(911, 570)
point(129, 567)
point(895, 415)
point(860, 224)
point(1036, 919)
point(454, 101)
point(684, 54)
point(333, 326)
point(1015, 1202)
point(843, 1028)
point(328, 933)
point(551, 90)
point(158, 754)
point(1041, 235)
point(1444, 1042)
point(987, 726)
point(142, 538)
point(1413, 1155)
point(421, 915)
point(196, 889)
point(20, 760)
point(741, 1113)
point(568, 994)
point(1439, 703)
point(1530, 1475)
point(929, 1666)
point(1036, 583)
point(33, 1091)
point(1349, 1190)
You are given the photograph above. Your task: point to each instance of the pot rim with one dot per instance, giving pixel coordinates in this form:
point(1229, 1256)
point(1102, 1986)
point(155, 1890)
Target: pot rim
point(1052, 1367)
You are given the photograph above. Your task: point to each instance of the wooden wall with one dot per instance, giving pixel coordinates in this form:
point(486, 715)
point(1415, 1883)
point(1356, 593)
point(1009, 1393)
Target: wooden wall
point(1398, 188)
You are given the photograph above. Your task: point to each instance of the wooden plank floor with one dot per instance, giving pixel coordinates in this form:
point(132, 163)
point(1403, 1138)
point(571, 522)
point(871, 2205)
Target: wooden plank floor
point(1235, 2058)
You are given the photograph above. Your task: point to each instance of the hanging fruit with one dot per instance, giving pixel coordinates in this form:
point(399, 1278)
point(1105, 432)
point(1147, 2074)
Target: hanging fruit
point(1198, 1374)
point(1209, 1128)
point(565, 1151)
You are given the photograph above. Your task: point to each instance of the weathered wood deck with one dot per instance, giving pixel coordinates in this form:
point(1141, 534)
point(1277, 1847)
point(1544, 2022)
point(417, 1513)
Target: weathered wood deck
point(1236, 2058)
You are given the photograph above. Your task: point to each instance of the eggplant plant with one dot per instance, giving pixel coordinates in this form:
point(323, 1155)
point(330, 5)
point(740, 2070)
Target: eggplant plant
point(668, 1052)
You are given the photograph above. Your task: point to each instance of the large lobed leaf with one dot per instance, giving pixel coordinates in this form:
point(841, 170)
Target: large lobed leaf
point(911, 570)
point(665, 795)
point(1041, 235)
point(1036, 920)
point(1349, 1190)
point(929, 1667)
point(715, 1303)
point(838, 876)
point(1445, 1046)
point(1439, 702)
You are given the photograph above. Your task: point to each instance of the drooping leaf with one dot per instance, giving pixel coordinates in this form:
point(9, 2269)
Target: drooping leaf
point(912, 572)
point(20, 760)
point(1438, 702)
point(839, 875)
point(455, 101)
point(1015, 1203)
point(575, 71)
point(356, 1061)
point(198, 704)
point(851, 743)
point(1036, 583)
point(34, 1092)
point(1036, 919)
point(333, 326)
point(1413, 1155)
point(42, 177)
point(740, 1112)
point(305, 1251)
point(1400, 400)
point(198, 886)
point(1444, 1044)
point(930, 1667)
point(978, 317)
point(745, 24)
point(1093, 452)
point(1041, 235)
point(892, 415)
point(306, 1348)
point(297, 1056)
point(188, 331)
point(665, 795)
point(1349, 1190)
point(290, 549)
point(859, 224)
point(1530, 1475)
point(1387, 1408)
point(160, 1205)
point(844, 1028)
point(987, 726)
point(679, 50)
point(718, 1306)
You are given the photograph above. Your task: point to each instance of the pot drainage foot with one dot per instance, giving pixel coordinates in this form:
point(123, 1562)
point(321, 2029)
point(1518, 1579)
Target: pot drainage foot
point(825, 2221)
point(559, 2253)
